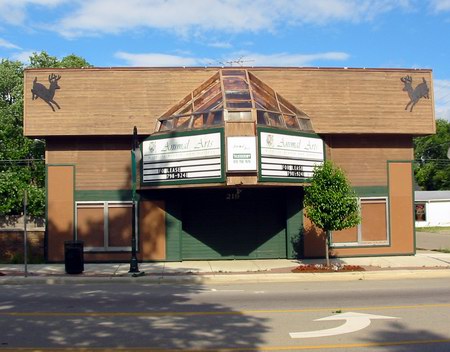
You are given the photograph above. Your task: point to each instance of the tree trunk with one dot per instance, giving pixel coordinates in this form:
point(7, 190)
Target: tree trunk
point(327, 247)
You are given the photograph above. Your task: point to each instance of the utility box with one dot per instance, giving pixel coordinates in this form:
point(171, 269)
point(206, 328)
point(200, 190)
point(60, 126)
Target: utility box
point(73, 257)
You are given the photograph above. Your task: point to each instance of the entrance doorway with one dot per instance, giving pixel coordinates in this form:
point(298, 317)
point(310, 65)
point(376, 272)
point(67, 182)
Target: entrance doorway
point(234, 224)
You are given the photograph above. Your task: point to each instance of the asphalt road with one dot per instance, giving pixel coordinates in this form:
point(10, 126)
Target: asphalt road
point(233, 317)
point(430, 240)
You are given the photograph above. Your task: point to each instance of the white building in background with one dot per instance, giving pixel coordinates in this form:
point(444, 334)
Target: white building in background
point(432, 208)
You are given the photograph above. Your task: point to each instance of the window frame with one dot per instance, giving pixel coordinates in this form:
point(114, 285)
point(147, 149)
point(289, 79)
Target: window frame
point(360, 242)
point(106, 206)
point(424, 204)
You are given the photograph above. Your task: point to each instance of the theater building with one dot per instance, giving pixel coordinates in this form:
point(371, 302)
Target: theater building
point(223, 157)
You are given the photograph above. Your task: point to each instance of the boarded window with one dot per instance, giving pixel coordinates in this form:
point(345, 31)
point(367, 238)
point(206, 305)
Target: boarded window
point(373, 229)
point(104, 226)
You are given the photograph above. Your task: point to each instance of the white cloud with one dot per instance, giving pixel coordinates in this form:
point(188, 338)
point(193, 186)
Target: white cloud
point(15, 11)
point(202, 16)
point(220, 45)
point(440, 5)
point(442, 98)
point(23, 56)
point(325, 11)
point(248, 59)
point(8, 45)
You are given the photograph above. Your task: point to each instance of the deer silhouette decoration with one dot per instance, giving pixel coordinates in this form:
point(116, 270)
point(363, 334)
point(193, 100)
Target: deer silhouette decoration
point(46, 94)
point(415, 94)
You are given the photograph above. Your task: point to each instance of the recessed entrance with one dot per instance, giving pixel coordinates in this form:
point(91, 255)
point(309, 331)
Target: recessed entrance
point(234, 224)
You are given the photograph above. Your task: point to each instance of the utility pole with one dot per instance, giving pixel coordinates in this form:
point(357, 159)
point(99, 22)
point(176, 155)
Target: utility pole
point(25, 235)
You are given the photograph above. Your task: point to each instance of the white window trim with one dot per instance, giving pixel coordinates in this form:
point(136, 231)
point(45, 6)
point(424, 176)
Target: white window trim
point(105, 205)
point(360, 242)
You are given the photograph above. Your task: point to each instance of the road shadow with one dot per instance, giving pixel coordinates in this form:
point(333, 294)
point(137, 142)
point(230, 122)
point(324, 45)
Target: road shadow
point(124, 316)
point(397, 337)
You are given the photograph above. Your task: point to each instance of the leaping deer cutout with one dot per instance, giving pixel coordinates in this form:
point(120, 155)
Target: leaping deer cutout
point(46, 94)
point(421, 91)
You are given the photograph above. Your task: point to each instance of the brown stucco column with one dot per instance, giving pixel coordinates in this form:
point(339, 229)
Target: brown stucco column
point(60, 210)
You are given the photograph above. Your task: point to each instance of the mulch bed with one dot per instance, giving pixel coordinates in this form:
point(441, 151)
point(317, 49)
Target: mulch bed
point(321, 268)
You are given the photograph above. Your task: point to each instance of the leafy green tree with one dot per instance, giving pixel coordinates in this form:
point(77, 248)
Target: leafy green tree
point(330, 202)
point(43, 60)
point(432, 166)
point(21, 158)
point(73, 61)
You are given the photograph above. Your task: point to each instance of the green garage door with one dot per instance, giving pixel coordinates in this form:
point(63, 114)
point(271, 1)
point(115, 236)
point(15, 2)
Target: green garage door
point(221, 224)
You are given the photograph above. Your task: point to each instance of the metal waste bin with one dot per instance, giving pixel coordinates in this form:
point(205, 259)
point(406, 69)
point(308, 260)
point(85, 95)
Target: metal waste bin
point(73, 257)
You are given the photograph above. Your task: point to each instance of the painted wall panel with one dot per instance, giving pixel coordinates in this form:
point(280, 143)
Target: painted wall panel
point(90, 226)
point(347, 235)
point(119, 226)
point(374, 222)
point(60, 210)
point(152, 230)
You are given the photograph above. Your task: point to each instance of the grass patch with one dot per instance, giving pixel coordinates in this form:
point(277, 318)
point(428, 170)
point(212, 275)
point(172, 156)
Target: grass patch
point(17, 258)
point(434, 229)
point(443, 250)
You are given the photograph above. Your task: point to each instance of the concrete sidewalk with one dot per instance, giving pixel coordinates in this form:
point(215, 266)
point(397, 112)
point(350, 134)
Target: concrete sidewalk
point(423, 265)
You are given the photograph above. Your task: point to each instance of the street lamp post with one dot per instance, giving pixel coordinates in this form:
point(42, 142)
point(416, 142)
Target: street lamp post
point(134, 157)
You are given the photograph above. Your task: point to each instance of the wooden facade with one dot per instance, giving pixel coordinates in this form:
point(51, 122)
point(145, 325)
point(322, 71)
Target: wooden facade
point(364, 157)
point(358, 113)
point(109, 101)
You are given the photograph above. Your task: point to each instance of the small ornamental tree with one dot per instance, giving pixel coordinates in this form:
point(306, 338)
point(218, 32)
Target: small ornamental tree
point(330, 202)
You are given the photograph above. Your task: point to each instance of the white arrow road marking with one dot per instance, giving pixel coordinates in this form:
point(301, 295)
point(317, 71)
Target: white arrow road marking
point(353, 322)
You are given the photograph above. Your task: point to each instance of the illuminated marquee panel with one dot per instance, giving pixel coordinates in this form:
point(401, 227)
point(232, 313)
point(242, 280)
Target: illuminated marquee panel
point(183, 159)
point(288, 157)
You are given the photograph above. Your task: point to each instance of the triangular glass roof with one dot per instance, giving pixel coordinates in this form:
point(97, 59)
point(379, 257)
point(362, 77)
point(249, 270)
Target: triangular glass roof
point(232, 95)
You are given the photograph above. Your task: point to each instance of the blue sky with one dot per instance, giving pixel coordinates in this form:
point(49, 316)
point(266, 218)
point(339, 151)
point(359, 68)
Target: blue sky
point(325, 33)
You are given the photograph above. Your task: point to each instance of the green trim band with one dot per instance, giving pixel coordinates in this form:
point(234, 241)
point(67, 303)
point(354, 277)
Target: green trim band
point(371, 191)
point(104, 195)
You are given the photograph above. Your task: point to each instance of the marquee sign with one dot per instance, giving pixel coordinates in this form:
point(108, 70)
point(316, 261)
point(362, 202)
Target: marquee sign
point(183, 158)
point(288, 157)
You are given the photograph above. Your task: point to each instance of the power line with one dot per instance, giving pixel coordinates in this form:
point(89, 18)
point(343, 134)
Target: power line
point(20, 162)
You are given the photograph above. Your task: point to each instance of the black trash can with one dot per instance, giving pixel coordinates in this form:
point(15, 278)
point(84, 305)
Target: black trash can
point(73, 257)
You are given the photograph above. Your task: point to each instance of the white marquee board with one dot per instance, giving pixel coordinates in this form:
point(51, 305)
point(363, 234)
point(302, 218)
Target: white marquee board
point(288, 157)
point(183, 159)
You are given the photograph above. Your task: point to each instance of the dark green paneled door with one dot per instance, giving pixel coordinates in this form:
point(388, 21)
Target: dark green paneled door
point(226, 224)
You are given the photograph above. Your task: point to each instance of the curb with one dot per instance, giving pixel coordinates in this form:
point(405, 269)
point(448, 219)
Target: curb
point(230, 278)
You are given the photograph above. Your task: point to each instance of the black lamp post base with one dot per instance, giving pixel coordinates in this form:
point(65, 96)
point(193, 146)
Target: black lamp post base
point(134, 266)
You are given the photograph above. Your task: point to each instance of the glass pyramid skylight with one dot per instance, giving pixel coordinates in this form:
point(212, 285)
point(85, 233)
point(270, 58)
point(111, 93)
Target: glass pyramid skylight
point(233, 95)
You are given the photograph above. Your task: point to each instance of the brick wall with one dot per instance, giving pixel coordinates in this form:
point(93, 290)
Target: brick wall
point(11, 246)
